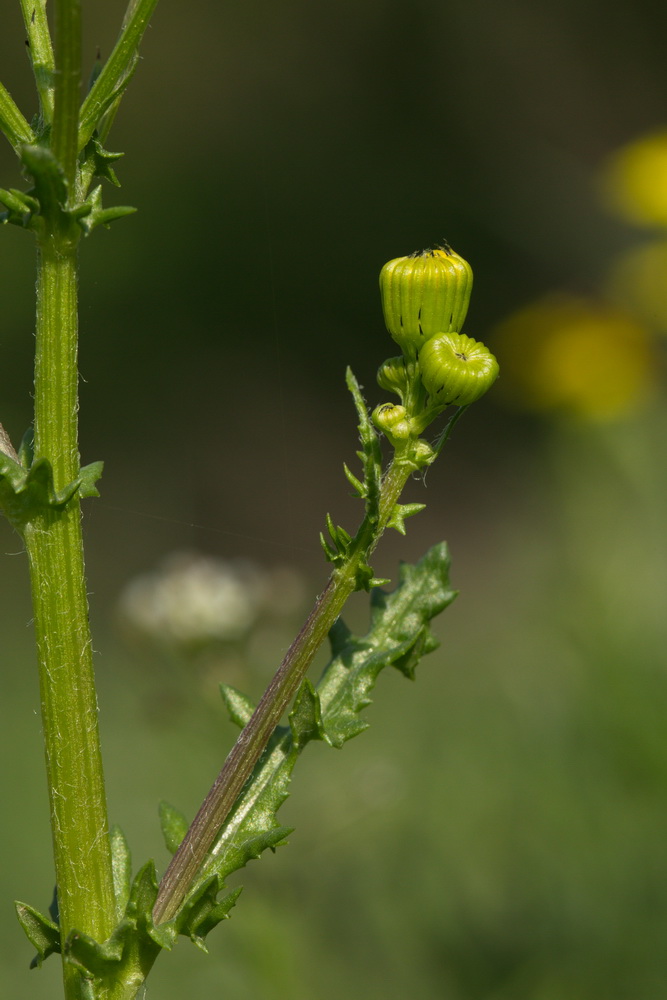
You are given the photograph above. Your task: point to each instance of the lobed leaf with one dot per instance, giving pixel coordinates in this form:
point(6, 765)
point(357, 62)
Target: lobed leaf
point(398, 636)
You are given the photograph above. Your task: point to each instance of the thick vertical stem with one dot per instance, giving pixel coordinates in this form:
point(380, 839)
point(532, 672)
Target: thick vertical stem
point(55, 552)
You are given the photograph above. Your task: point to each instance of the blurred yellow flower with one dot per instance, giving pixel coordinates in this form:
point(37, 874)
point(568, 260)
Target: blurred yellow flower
point(638, 282)
point(573, 355)
point(635, 180)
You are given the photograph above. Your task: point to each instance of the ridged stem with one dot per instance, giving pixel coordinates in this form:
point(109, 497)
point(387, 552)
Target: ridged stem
point(54, 545)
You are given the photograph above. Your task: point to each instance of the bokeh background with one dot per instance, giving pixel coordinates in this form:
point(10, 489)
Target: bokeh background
point(500, 831)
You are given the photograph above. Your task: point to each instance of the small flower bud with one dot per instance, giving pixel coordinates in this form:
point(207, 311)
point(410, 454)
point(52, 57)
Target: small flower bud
point(422, 453)
point(393, 376)
point(456, 369)
point(424, 294)
point(393, 420)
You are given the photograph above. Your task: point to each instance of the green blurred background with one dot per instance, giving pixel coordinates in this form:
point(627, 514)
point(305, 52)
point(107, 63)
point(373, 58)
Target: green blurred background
point(500, 832)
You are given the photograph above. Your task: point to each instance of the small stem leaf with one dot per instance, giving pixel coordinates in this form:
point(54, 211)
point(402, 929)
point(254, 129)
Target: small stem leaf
point(25, 494)
point(121, 867)
point(239, 706)
point(400, 512)
point(97, 162)
point(305, 719)
point(357, 485)
point(90, 214)
point(371, 455)
point(88, 476)
point(20, 207)
point(329, 554)
point(174, 826)
point(43, 934)
point(221, 911)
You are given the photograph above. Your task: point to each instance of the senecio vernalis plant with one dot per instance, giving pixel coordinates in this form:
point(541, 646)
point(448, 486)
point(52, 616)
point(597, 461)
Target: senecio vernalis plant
point(108, 925)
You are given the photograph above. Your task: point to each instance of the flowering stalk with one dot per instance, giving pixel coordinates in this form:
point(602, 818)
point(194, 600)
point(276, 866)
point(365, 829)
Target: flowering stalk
point(419, 293)
point(276, 700)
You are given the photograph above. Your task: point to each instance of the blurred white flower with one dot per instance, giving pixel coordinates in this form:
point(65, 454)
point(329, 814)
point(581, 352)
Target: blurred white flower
point(193, 600)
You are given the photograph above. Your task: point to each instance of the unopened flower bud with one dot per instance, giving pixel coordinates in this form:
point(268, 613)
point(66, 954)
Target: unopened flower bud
point(424, 294)
point(392, 375)
point(456, 369)
point(393, 420)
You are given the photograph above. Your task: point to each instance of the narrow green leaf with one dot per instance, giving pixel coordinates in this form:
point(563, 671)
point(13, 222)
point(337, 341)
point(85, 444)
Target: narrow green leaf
point(12, 122)
point(358, 487)
point(239, 706)
point(42, 933)
point(117, 71)
point(371, 455)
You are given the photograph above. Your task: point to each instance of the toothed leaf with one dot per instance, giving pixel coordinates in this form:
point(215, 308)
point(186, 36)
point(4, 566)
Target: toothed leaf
point(305, 719)
point(402, 511)
point(88, 476)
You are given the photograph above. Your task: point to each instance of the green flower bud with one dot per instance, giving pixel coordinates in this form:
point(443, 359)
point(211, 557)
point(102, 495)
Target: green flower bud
point(422, 453)
point(456, 369)
point(424, 294)
point(393, 376)
point(393, 420)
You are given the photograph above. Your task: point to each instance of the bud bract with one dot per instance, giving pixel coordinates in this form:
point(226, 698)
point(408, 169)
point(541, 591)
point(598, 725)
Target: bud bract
point(456, 369)
point(424, 294)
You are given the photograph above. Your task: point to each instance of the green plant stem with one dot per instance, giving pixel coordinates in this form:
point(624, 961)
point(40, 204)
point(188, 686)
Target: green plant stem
point(12, 122)
point(276, 699)
point(117, 69)
point(67, 94)
point(54, 545)
point(41, 53)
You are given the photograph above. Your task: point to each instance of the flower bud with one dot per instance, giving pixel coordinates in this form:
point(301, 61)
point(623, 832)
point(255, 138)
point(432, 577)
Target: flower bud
point(424, 294)
point(393, 376)
point(393, 420)
point(456, 369)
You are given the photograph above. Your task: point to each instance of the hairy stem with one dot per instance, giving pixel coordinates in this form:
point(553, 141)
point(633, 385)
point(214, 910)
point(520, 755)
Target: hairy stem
point(55, 552)
point(275, 701)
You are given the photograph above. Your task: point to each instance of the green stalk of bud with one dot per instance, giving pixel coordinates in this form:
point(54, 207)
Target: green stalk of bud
point(456, 369)
point(424, 294)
